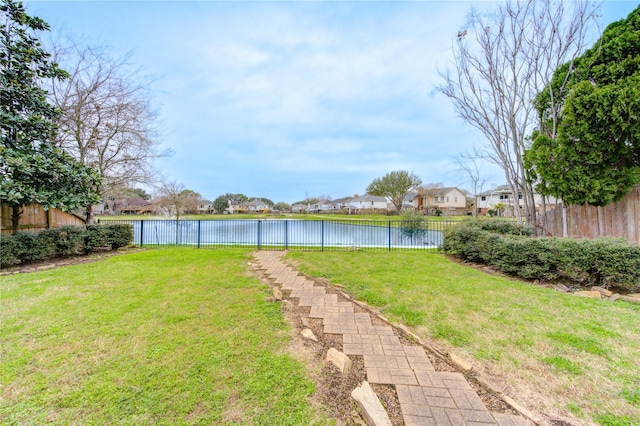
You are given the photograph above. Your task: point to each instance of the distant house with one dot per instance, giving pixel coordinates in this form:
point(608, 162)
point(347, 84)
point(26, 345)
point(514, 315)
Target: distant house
point(205, 207)
point(502, 195)
point(136, 206)
point(257, 206)
point(446, 199)
point(367, 204)
point(338, 205)
point(235, 207)
point(321, 206)
point(411, 200)
point(299, 208)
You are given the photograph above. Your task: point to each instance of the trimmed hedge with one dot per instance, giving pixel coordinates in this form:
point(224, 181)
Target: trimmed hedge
point(25, 247)
point(605, 262)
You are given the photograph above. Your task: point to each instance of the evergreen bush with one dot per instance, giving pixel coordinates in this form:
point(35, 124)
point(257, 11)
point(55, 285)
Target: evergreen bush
point(512, 249)
point(25, 247)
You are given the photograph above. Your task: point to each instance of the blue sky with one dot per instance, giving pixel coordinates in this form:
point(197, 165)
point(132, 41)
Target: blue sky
point(286, 100)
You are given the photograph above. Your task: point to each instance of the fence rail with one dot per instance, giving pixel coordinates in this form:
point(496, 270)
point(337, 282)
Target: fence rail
point(285, 234)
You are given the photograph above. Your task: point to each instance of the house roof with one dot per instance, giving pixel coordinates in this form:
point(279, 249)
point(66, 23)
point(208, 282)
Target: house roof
point(502, 189)
point(439, 191)
point(369, 197)
point(256, 203)
point(340, 200)
point(411, 196)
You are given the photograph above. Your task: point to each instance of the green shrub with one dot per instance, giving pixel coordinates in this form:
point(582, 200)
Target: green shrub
point(119, 235)
point(505, 246)
point(108, 235)
point(525, 257)
point(460, 240)
point(33, 247)
point(609, 262)
point(413, 225)
point(97, 237)
point(25, 247)
point(504, 226)
point(66, 240)
point(9, 251)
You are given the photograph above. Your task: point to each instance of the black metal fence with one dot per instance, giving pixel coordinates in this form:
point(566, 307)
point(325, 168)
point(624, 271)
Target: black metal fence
point(291, 234)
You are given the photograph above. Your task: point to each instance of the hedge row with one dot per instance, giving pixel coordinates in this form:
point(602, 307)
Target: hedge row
point(605, 262)
point(65, 241)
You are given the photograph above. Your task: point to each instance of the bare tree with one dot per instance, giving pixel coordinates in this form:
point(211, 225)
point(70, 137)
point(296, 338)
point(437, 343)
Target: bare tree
point(174, 200)
point(107, 121)
point(468, 164)
point(501, 61)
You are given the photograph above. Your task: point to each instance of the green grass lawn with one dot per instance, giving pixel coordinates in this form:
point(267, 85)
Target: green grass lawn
point(176, 336)
point(577, 355)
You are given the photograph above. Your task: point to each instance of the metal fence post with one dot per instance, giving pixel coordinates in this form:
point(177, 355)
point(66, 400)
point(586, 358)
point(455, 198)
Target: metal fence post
point(141, 232)
point(286, 235)
point(322, 236)
point(259, 235)
point(389, 235)
point(199, 233)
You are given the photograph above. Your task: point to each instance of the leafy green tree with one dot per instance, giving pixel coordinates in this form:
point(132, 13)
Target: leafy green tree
point(588, 147)
point(240, 198)
point(395, 186)
point(32, 170)
point(221, 203)
point(282, 206)
point(308, 200)
point(141, 193)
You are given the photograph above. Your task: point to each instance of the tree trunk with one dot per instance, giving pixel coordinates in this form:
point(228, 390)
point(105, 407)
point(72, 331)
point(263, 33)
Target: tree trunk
point(16, 212)
point(543, 216)
point(89, 215)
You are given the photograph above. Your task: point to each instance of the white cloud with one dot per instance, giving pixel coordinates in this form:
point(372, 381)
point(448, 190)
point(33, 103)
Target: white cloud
point(291, 96)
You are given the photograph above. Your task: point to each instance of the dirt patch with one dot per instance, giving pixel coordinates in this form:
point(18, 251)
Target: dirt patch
point(333, 389)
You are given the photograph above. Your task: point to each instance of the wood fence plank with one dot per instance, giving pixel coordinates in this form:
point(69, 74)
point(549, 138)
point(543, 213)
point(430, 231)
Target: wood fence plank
point(620, 219)
point(35, 218)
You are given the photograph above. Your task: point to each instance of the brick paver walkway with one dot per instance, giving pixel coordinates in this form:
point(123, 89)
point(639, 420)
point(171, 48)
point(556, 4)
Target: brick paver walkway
point(427, 397)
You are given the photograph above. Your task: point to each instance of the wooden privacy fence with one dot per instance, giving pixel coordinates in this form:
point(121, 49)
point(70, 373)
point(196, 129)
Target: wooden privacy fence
point(35, 218)
point(620, 220)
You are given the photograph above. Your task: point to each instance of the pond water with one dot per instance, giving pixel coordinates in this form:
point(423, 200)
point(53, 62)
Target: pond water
point(285, 233)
